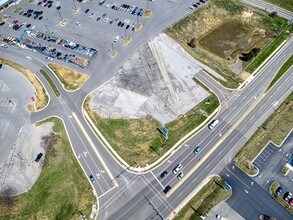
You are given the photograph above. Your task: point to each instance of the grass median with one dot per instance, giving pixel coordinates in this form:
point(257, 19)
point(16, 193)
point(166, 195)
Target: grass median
point(209, 196)
point(62, 189)
point(274, 129)
point(50, 81)
point(70, 79)
point(288, 64)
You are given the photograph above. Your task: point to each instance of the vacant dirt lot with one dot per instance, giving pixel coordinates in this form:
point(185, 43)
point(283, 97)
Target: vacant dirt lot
point(222, 30)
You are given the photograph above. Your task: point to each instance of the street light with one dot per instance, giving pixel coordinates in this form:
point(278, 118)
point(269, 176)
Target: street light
point(60, 16)
point(47, 29)
point(74, 5)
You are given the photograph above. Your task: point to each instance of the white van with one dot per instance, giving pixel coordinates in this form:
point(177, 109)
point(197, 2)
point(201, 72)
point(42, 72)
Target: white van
point(213, 124)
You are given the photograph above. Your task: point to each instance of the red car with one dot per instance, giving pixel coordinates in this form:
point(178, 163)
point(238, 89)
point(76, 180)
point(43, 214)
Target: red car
point(291, 202)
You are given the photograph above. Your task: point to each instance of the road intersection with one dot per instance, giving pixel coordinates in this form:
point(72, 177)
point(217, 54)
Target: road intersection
point(142, 195)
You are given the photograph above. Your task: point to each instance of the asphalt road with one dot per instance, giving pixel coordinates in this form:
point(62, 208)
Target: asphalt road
point(249, 199)
point(95, 159)
point(212, 160)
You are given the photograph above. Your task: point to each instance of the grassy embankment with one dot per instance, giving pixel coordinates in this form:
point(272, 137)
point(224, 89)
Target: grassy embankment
point(62, 189)
point(209, 196)
point(140, 141)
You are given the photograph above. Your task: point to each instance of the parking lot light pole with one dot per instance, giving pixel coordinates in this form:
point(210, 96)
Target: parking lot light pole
point(112, 47)
point(74, 5)
point(47, 29)
point(60, 16)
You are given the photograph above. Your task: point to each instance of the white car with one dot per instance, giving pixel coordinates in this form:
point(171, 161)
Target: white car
point(3, 45)
point(116, 38)
point(77, 23)
point(177, 168)
point(27, 57)
point(219, 217)
point(50, 58)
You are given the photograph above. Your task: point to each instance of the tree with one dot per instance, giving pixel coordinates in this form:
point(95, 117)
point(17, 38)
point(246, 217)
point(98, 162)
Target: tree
point(7, 200)
point(273, 14)
point(192, 43)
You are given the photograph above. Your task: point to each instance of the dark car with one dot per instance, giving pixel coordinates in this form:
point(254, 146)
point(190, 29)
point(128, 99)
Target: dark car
point(92, 178)
point(58, 8)
point(279, 190)
point(40, 18)
point(39, 156)
point(127, 26)
point(29, 15)
point(86, 11)
point(98, 18)
point(194, 5)
point(122, 24)
point(167, 189)
point(20, 13)
point(49, 6)
point(28, 25)
point(287, 196)
point(163, 174)
point(39, 3)
point(197, 150)
point(119, 23)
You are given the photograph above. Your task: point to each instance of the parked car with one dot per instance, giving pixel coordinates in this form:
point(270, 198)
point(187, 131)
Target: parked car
point(177, 168)
point(291, 202)
point(219, 217)
point(163, 174)
point(279, 190)
point(39, 156)
point(116, 38)
point(86, 11)
point(287, 196)
point(167, 189)
point(197, 150)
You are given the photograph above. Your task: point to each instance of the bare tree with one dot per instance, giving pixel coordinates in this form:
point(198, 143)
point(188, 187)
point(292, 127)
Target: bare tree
point(48, 142)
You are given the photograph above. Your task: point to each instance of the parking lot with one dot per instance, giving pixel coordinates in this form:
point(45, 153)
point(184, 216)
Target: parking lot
point(87, 24)
point(271, 162)
point(265, 156)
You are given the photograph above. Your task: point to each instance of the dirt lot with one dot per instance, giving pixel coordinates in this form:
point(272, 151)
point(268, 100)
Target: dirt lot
point(222, 30)
point(70, 79)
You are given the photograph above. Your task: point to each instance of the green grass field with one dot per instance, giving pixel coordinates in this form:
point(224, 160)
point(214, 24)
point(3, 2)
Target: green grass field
point(61, 191)
point(286, 4)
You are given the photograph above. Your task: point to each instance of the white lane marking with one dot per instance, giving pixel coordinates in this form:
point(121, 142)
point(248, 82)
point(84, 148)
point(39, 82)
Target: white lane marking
point(95, 150)
point(83, 144)
point(238, 178)
point(157, 180)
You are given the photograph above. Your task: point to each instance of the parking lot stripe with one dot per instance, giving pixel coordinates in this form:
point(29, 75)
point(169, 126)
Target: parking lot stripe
point(5, 130)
